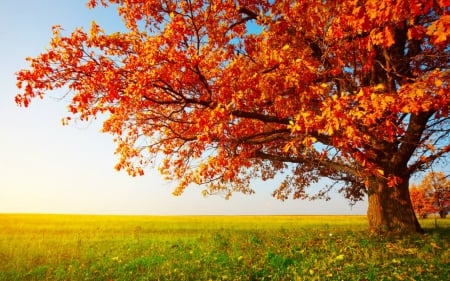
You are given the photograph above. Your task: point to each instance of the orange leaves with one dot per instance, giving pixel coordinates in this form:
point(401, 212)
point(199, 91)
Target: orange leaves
point(421, 204)
point(93, 3)
point(393, 181)
point(429, 92)
point(95, 31)
point(384, 37)
point(439, 31)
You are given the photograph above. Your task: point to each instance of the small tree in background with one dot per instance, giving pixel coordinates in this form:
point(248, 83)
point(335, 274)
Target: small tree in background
point(432, 195)
point(422, 205)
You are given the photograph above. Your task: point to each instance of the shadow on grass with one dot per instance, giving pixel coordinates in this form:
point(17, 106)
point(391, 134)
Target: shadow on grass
point(437, 227)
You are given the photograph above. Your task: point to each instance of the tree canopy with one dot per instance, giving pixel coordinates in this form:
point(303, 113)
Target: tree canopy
point(231, 90)
point(432, 195)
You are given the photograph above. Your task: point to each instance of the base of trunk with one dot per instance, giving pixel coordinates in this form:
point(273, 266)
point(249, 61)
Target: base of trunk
point(390, 209)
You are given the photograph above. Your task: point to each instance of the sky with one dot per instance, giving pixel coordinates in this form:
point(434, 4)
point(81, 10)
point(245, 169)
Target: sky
point(49, 168)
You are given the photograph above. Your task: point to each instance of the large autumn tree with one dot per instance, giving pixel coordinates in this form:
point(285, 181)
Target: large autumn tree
point(230, 90)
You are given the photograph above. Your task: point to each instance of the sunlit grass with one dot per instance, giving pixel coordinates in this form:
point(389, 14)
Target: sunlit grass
point(64, 247)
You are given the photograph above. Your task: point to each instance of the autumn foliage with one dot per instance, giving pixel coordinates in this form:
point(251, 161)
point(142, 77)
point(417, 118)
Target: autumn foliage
point(432, 195)
point(231, 90)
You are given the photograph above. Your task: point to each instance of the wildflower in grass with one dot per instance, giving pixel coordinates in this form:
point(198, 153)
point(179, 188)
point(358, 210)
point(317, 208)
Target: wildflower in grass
point(117, 259)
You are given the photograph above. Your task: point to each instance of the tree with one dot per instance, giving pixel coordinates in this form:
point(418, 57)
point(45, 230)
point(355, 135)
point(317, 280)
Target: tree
point(230, 90)
point(421, 203)
point(432, 195)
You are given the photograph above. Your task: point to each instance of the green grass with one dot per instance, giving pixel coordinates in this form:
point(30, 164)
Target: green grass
point(65, 247)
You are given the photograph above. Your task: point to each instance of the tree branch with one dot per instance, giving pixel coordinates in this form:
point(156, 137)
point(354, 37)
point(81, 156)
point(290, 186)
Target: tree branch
point(412, 137)
point(261, 117)
point(264, 137)
point(250, 16)
point(335, 166)
point(427, 159)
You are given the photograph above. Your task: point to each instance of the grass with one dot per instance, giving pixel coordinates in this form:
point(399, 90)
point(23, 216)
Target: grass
point(70, 247)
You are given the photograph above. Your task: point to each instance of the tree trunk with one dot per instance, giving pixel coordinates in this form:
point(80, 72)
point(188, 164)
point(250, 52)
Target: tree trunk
point(390, 209)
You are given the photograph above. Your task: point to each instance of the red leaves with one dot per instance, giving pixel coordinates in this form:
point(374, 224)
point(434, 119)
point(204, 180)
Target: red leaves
point(416, 32)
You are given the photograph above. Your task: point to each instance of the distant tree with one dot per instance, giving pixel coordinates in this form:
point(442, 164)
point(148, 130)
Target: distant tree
point(432, 195)
point(356, 91)
point(421, 203)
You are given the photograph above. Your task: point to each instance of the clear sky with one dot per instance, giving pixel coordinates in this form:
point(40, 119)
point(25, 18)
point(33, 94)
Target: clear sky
point(48, 168)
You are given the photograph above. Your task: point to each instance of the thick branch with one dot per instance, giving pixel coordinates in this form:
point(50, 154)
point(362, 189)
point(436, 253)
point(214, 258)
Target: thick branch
point(264, 137)
point(249, 16)
point(426, 160)
point(412, 138)
point(338, 167)
point(261, 117)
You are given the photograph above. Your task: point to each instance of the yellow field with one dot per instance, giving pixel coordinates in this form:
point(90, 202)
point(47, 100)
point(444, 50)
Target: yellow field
point(76, 247)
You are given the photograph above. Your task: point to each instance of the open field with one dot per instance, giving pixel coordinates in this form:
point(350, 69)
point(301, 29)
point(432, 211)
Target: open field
point(69, 247)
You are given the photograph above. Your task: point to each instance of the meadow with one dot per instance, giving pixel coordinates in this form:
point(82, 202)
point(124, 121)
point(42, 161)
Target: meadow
point(84, 247)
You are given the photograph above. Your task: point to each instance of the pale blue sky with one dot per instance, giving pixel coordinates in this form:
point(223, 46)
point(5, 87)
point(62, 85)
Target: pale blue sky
point(45, 167)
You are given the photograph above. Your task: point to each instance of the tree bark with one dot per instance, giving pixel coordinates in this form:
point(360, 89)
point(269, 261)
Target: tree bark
point(390, 209)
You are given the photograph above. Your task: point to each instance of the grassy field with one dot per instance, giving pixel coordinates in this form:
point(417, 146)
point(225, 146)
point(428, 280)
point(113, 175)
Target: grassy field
point(66, 247)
